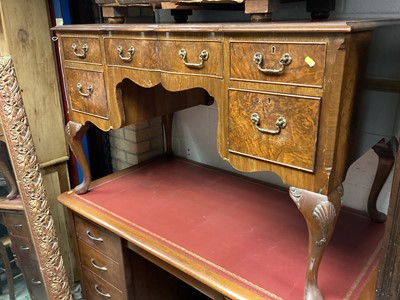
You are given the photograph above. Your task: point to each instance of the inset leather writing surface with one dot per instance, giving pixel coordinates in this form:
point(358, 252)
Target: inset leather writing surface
point(214, 218)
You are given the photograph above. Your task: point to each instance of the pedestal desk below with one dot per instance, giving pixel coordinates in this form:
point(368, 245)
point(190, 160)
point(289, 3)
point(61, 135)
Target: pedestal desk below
point(285, 94)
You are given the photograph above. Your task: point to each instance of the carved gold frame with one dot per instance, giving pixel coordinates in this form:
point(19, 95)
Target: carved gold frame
point(30, 182)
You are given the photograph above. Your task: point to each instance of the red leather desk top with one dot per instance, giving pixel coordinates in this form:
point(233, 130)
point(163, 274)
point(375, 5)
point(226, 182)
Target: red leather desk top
point(249, 234)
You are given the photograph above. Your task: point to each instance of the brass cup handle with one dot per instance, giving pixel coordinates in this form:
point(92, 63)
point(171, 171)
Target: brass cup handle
point(131, 52)
point(107, 295)
point(90, 236)
point(24, 248)
point(84, 48)
point(203, 57)
point(279, 124)
point(103, 268)
point(284, 61)
point(90, 89)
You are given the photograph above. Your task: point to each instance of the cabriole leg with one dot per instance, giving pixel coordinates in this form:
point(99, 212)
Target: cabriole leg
point(320, 213)
point(74, 133)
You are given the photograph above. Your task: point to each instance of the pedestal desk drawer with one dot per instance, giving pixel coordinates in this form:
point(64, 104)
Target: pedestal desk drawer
point(86, 92)
point(204, 58)
point(100, 264)
point(81, 49)
point(33, 277)
point(23, 247)
point(133, 53)
point(16, 224)
point(274, 127)
point(97, 288)
point(288, 63)
point(99, 238)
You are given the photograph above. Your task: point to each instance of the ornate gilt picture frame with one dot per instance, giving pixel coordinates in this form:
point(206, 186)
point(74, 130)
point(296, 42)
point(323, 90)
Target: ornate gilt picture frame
point(30, 182)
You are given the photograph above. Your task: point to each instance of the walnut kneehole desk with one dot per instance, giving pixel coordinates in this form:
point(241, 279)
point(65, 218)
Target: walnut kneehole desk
point(284, 92)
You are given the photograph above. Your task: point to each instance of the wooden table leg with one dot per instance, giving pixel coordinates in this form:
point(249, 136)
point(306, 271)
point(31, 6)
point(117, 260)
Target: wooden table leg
point(320, 213)
point(385, 164)
point(74, 133)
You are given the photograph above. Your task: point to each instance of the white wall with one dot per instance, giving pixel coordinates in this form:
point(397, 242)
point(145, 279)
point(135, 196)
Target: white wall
point(378, 115)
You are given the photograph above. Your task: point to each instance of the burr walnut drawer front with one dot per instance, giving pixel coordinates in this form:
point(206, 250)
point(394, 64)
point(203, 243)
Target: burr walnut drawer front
point(98, 238)
point(81, 49)
point(102, 265)
point(86, 92)
point(16, 224)
point(273, 127)
point(191, 57)
point(140, 54)
point(97, 288)
point(285, 63)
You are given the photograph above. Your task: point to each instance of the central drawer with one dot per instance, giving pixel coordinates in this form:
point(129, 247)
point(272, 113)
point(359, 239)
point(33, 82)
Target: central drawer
point(273, 127)
point(191, 57)
point(134, 53)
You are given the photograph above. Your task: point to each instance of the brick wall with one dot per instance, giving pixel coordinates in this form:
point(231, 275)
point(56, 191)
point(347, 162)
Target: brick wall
point(136, 143)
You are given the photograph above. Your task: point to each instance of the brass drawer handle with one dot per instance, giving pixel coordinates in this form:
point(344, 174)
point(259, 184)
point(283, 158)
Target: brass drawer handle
point(84, 48)
point(24, 248)
point(107, 295)
point(35, 281)
point(90, 236)
point(17, 225)
point(203, 57)
point(285, 60)
point(90, 89)
point(97, 266)
point(279, 124)
point(131, 52)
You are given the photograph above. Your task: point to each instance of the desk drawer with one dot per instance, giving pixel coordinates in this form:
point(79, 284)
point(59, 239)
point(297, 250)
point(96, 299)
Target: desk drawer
point(23, 247)
point(191, 57)
point(81, 49)
point(33, 277)
point(101, 265)
point(86, 92)
point(98, 238)
point(97, 288)
point(133, 53)
point(288, 63)
point(16, 224)
point(254, 130)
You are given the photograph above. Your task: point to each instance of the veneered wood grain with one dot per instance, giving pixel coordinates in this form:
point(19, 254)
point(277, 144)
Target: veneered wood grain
point(95, 103)
point(298, 72)
point(144, 57)
point(295, 145)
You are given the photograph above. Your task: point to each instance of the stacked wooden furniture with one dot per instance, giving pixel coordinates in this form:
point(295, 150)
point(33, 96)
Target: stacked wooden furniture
point(13, 217)
point(284, 92)
point(25, 36)
point(260, 10)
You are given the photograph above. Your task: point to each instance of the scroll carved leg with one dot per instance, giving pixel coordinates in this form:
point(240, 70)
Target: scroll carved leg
point(74, 133)
point(320, 213)
point(385, 164)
